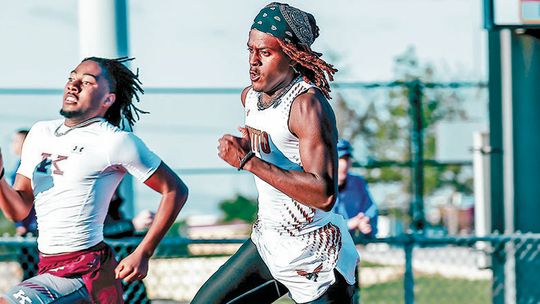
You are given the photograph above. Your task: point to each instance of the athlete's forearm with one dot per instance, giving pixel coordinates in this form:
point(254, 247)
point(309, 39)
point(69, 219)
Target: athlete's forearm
point(12, 202)
point(170, 205)
point(305, 187)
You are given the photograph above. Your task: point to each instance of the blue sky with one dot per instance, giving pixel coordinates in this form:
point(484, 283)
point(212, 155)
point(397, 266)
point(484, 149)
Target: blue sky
point(203, 43)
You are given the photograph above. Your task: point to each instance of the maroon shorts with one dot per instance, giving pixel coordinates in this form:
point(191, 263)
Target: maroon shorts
point(95, 266)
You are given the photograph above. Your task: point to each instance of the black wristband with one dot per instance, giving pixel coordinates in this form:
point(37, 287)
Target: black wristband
point(2, 173)
point(245, 159)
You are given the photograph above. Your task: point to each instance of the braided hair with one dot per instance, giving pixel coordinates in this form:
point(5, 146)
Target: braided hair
point(126, 85)
point(309, 63)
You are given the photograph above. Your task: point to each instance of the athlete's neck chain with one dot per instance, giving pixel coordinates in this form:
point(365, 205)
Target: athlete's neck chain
point(85, 123)
point(275, 100)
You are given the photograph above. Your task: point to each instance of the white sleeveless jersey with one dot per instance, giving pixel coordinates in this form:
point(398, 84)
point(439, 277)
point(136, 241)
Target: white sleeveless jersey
point(74, 177)
point(300, 245)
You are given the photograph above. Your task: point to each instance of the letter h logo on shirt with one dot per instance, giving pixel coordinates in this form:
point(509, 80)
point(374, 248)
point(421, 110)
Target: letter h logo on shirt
point(47, 160)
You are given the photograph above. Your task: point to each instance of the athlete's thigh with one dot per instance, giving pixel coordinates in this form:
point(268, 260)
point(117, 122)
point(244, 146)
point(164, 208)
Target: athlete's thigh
point(244, 271)
point(340, 292)
point(47, 288)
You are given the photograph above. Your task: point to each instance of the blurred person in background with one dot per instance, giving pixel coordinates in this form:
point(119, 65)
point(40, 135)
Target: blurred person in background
point(28, 226)
point(289, 144)
point(354, 202)
point(69, 171)
point(117, 225)
point(27, 256)
point(17, 142)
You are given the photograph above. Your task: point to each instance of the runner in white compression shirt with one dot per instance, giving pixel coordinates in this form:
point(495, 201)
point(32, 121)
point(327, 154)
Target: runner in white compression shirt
point(70, 169)
point(74, 174)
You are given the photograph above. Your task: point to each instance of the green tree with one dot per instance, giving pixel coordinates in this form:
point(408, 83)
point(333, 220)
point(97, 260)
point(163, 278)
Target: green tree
point(6, 226)
point(239, 208)
point(178, 228)
point(384, 124)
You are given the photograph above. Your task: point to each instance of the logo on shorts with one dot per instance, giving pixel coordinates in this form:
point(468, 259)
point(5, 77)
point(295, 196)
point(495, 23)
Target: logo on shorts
point(57, 268)
point(22, 297)
point(311, 275)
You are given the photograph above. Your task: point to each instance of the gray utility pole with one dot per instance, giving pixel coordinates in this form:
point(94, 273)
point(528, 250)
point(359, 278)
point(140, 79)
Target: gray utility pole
point(103, 32)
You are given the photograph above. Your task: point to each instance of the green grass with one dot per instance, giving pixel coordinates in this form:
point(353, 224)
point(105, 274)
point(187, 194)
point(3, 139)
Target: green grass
point(364, 264)
point(427, 290)
point(284, 300)
point(430, 289)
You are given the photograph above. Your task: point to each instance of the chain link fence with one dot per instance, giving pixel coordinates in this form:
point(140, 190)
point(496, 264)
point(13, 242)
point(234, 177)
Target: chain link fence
point(409, 268)
point(404, 269)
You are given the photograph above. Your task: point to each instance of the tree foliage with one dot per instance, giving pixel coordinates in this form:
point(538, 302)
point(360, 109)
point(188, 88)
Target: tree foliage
point(239, 208)
point(6, 226)
point(384, 126)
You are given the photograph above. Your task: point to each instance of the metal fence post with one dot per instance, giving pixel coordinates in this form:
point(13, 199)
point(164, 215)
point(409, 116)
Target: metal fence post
point(408, 276)
point(417, 154)
point(498, 261)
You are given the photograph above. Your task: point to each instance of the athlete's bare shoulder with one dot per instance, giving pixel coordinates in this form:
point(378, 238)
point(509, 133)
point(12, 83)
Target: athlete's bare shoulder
point(311, 100)
point(311, 108)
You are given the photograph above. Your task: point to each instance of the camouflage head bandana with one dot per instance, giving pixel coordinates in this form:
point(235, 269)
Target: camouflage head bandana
point(286, 23)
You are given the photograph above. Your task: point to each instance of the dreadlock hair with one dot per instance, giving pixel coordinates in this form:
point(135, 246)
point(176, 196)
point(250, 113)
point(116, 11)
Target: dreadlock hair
point(22, 132)
point(126, 85)
point(310, 64)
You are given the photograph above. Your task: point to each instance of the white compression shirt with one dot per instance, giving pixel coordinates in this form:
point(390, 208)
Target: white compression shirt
point(74, 175)
point(300, 245)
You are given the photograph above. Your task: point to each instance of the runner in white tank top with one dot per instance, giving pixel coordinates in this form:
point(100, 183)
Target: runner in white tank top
point(289, 144)
point(300, 244)
point(69, 170)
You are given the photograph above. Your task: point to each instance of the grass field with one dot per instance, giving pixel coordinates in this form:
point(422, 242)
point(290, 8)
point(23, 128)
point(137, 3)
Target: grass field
point(427, 290)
